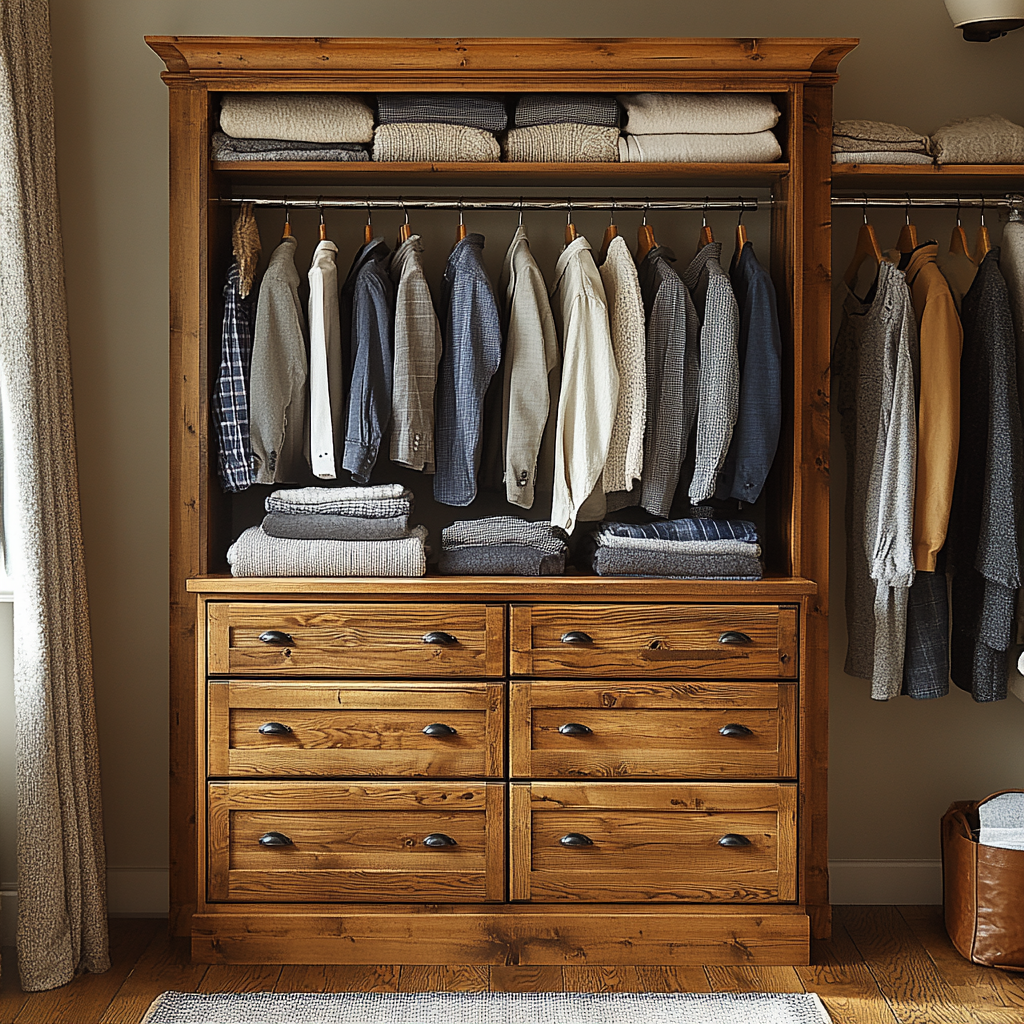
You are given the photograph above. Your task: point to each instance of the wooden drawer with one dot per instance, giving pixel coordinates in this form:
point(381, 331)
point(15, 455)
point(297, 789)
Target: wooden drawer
point(656, 841)
point(673, 730)
point(356, 843)
point(720, 641)
point(344, 728)
point(356, 639)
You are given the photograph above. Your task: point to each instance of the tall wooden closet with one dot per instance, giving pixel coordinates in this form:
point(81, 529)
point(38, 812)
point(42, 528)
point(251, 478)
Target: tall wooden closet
point(707, 842)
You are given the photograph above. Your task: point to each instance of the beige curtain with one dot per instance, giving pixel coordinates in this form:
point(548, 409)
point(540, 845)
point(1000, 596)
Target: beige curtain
point(62, 925)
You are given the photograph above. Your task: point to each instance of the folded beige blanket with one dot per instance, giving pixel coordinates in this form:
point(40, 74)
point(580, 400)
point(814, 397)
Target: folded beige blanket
point(699, 113)
point(875, 136)
point(445, 143)
point(989, 139)
point(562, 144)
point(296, 116)
point(841, 145)
point(888, 156)
point(756, 148)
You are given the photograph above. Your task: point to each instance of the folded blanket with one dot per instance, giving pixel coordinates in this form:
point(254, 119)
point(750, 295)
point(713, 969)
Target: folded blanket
point(617, 562)
point(699, 113)
point(1002, 821)
point(876, 135)
point(684, 530)
point(445, 143)
point(566, 108)
point(378, 501)
point(882, 157)
point(297, 116)
point(503, 530)
point(224, 147)
point(501, 560)
point(257, 554)
point(757, 148)
point(840, 145)
point(562, 144)
point(484, 112)
point(314, 527)
point(681, 547)
point(989, 139)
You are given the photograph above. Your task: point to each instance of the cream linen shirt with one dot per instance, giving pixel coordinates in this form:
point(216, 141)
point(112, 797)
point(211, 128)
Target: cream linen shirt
point(325, 385)
point(590, 382)
point(531, 356)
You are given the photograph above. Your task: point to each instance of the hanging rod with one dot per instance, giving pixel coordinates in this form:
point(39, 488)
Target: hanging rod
point(501, 203)
point(1011, 201)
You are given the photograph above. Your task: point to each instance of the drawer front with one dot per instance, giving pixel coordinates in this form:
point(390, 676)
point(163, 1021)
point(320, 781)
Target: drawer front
point(670, 730)
point(339, 842)
point(356, 639)
point(606, 842)
point(448, 729)
point(723, 641)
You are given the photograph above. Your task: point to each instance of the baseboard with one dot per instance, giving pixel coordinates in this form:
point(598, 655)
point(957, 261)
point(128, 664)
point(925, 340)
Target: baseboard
point(885, 881)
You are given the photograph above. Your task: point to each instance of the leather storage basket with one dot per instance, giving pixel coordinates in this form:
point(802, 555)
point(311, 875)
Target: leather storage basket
point(983, 892)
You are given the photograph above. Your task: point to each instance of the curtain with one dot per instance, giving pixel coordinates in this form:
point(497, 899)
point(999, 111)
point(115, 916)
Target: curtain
point(61, 859)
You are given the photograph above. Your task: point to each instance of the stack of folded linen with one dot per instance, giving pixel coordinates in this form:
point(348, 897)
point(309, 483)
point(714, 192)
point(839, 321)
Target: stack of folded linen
point(989, 139)
point(564, 128)
point(415, 127)
point(877, 142)
point(333, 531)
point(680, 127)
point(293, 126)
point(502, 546)
point(714, 549)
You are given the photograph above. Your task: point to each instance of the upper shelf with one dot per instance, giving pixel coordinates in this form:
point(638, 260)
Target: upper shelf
point(915, 177)
point(282, 172)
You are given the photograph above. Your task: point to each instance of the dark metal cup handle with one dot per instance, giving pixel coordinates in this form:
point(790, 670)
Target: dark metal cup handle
point(275, 636)
point(577, 636)
point(732, 839)
point(438, 729)
point(735, 729)
point(275, 839)
point(274, 729)
point(438, 840)
point(438, 636)
point(576, 839)
point(575, 729)
point(734, 636)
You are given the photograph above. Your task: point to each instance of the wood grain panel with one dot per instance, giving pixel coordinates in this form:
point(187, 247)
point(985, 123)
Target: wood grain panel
point(656, 640)
point(654, 841)
point(355, 843)
point(365, 639)
point(342, 728)
point(654, 729)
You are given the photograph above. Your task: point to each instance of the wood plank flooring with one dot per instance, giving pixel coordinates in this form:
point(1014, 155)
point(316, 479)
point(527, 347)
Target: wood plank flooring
point(883, 965)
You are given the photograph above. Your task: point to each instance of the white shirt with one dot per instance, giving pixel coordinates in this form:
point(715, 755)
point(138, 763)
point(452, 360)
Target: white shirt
point(590, 382)
point(324, 360)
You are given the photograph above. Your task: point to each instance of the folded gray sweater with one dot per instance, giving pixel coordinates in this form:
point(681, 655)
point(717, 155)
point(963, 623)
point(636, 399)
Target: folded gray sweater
point(503, 530)
point(376, 501)
point(315, 527)
point(257, 554)
point(500, 560)
point(297, 116)
point(623, 562)
point(226, 148)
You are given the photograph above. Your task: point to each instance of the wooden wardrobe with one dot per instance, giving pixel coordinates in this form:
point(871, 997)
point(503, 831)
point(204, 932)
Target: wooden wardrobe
point(687, 823)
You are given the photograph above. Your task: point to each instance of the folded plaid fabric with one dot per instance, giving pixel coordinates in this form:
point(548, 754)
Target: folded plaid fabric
point(225, 148)
point(379, 501)
point(617, 562)
point(685, 529)
point(445, 143)
point(466, 533)
point(501, 560)
point(562, 144)
point(257, 554)
point(483, 112)
point(320, 527)
point(566, 108)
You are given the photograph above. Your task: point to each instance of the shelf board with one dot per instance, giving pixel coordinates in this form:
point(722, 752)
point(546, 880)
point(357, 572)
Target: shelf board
point(907, 177)
point(310, 172)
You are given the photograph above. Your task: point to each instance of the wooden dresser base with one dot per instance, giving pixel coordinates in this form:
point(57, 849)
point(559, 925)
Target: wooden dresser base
point(503, 934)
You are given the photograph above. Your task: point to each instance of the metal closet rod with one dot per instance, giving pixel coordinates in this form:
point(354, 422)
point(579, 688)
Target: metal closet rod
point(1012, 201)
point(503, 203)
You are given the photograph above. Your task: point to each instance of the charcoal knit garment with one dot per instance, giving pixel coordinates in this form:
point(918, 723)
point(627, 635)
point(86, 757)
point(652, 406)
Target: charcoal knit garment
point(315, 527)
point(500, 560)
point(622, 562)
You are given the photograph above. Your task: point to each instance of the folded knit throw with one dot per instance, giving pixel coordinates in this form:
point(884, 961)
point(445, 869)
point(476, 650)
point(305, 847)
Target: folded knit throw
point(840, 145)
point(225, 147)
point(562, 144)
point(483, 112)
point(445, 143)
point(681, 547)
point(876, 135)
point(699, 113)
point(888, 156)
point(296, 116)
point(757, 148)
point(684, 530)
point(503, 530)
point(257, 554)
point(619, 562)
point(314, 527)
point(566, 108)
point(501, 560)
point(378, 501)
point(989, 139)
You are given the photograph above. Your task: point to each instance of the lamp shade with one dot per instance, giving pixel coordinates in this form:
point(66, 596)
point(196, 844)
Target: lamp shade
point(982, 20)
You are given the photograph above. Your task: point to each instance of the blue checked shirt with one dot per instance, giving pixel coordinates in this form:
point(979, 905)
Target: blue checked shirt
point(685, 530)
point(231, 393)
point(469, 358)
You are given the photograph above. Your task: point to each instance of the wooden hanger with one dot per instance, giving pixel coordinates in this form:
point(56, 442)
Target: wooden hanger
point(570, 228)
point(706, 234)
point(460, 234)
point(404, 231)
point(644, 239)
point(610, 232)
point(958, 240)
point(741, 238)
point(867, 247)
point(323, 226)
point(983, 242)
point(287, 230)
point(907, 241)
point(368, 230)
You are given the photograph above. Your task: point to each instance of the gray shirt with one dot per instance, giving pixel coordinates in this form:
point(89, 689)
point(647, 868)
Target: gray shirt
point(279, 371)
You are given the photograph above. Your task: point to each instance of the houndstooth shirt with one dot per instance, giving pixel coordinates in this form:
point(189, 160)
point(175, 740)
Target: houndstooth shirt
point(231, 393)
point(485, 112)
point(503, 530)
point(719, 401)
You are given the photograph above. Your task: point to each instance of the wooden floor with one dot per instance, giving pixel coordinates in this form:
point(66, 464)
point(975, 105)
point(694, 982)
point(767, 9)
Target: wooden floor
point(884, 965)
